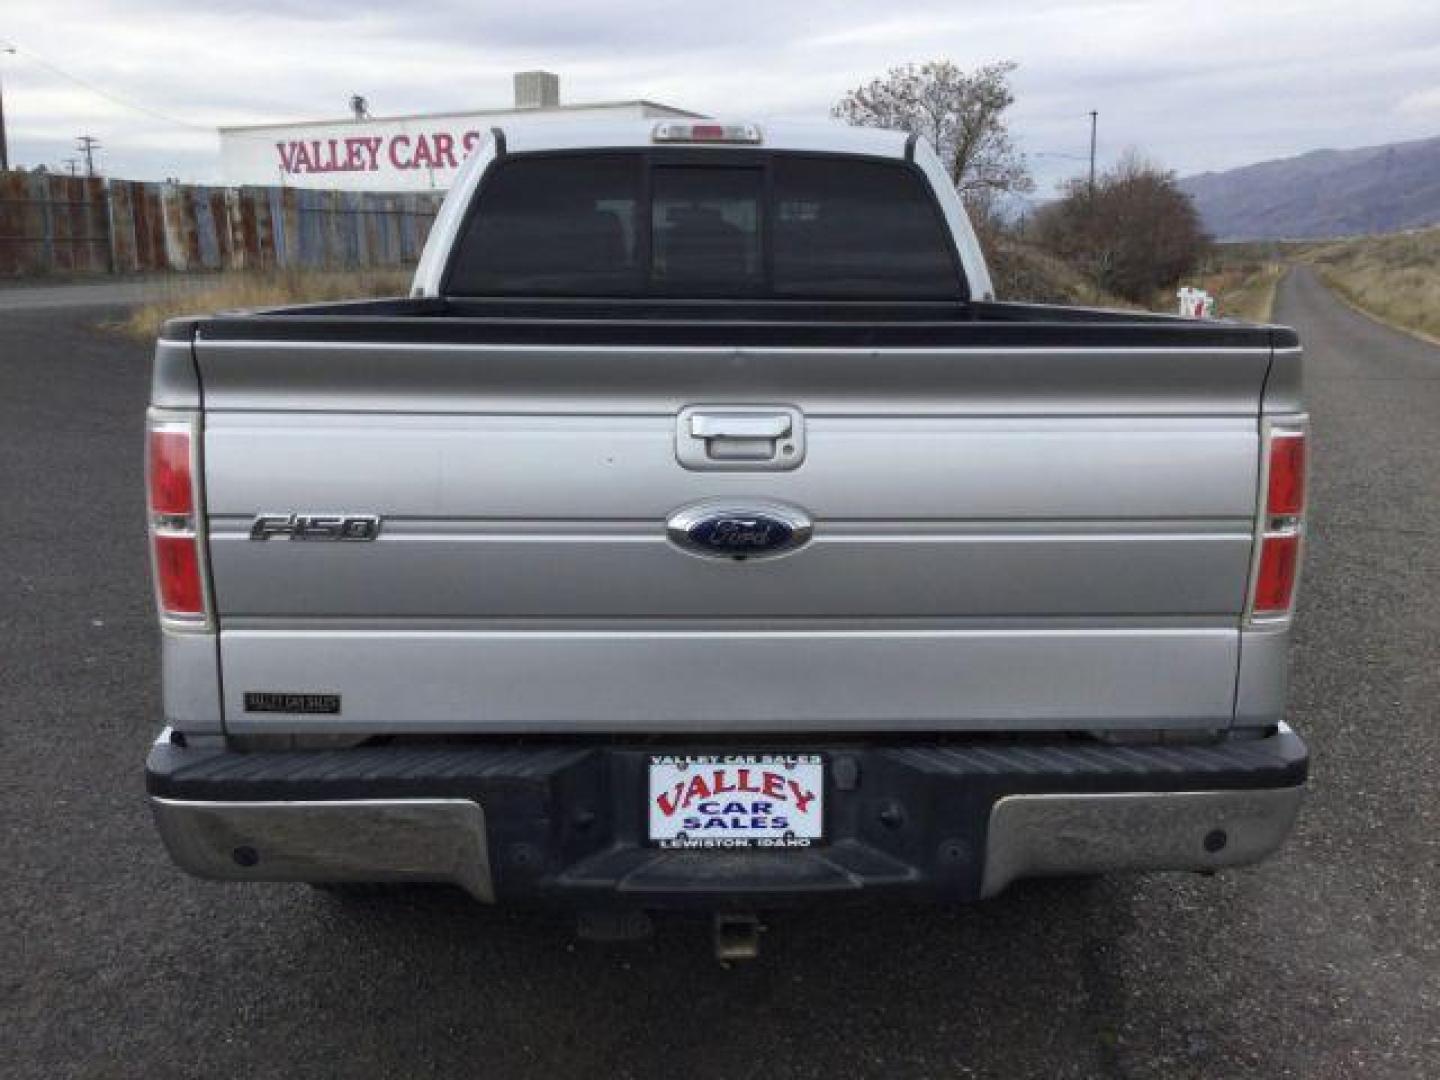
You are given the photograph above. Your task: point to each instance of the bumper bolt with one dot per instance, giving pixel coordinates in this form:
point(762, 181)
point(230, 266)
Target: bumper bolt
point(524, 858)
point(953, 852)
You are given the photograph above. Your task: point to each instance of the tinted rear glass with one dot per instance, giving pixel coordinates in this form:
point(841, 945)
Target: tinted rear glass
point(706, 230)
point(774, 225)
point(562, 226)
point(857, 229)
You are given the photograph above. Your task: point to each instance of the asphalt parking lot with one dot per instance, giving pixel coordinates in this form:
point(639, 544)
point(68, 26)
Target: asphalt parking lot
point(1323, 962)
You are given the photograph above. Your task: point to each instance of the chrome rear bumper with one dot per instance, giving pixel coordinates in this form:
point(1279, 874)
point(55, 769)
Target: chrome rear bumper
point(355, 840)
point(1049, 835)
point(564, 823)
point(982, 846)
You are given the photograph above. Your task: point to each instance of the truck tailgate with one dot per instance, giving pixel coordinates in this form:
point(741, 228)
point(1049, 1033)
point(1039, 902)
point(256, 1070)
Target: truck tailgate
point(1004, 537)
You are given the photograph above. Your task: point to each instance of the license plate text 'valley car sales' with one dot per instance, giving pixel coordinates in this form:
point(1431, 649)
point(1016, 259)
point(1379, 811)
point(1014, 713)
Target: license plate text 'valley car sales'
point(739, 800)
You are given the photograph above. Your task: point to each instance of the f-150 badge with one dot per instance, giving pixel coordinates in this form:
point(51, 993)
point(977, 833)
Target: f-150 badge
point(734, 531)
point(347, 527)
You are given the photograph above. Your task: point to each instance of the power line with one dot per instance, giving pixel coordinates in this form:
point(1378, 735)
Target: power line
point(87, 145)
point(55, 69)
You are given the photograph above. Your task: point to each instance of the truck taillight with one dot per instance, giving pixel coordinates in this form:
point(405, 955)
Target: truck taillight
point(176, 534)
point(1280, 529)
point(1285, 486)
point(171, 485)
point(177, 575)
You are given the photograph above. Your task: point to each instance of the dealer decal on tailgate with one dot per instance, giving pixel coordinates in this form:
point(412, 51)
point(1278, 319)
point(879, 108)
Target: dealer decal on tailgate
point(737, 800)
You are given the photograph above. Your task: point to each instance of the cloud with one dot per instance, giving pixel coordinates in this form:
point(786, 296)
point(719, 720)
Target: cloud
point(1193, 86)
point(1425, 103)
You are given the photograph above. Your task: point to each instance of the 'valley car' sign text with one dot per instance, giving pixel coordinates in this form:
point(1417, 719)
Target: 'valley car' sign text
point(372, 153)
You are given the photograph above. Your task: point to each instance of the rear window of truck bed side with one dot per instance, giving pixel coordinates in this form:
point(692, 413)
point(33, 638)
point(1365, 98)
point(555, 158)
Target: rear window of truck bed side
point(757, 225)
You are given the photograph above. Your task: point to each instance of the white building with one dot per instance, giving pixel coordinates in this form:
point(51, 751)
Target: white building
point(399, 153)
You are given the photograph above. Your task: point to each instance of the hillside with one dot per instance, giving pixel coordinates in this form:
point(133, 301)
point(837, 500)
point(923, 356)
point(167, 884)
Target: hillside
point(1022, 271)
point(1325, 193)
point(1393, 278)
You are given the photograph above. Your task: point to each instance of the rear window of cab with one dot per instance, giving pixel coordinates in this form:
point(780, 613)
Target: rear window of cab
point(784, 226)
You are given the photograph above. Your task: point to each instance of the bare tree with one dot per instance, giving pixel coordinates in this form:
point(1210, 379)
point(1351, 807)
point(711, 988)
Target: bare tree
point(961, 115)
point(1135, 234)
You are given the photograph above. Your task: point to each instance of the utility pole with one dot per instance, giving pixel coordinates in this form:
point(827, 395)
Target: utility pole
point(1094, 118)
point(87, 145)
point(73, 166)
point(4, 146)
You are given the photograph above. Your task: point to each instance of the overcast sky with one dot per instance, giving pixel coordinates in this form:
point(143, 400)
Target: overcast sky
point(1205, 84)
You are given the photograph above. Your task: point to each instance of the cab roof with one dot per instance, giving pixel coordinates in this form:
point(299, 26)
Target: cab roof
point(814, 136)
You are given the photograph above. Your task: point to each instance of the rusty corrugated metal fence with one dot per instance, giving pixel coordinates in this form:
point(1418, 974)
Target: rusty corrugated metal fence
point(76, 225)
point(53, 224)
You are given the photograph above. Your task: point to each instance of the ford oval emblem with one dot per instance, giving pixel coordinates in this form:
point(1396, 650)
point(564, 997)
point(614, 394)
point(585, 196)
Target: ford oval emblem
point(739, 531)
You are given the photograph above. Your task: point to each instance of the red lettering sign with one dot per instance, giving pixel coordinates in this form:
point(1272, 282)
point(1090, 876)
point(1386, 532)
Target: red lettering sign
point(445, 150)
point(364, 153)
point(395, 148)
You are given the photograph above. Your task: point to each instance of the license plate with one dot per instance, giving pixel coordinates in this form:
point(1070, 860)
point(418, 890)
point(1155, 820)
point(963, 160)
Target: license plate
point(737, 800)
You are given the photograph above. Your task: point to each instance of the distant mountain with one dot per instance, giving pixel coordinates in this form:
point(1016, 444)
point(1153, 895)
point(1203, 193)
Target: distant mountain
point(1323, 193)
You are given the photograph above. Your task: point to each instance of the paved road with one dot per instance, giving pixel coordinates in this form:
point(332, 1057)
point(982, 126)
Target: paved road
point(1323, 962)
point(36, 297)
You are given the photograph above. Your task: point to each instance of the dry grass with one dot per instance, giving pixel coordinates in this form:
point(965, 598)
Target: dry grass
point(1395, 277)
point(1244, 292)
point(1242, 278)
point(1023, 272)
point(231, 291)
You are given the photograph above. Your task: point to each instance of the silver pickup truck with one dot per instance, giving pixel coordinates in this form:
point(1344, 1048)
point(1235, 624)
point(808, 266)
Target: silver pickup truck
point(702, 532)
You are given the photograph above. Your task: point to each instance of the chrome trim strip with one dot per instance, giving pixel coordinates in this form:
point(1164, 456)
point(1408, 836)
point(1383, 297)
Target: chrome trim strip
point(1049, 835)
point(233, 525)
point(728, 350)
point(702, 624)
point(1216, 627)
point(357, 840)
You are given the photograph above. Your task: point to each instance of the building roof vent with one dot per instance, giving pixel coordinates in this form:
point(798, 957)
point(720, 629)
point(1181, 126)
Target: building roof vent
point(537, 90)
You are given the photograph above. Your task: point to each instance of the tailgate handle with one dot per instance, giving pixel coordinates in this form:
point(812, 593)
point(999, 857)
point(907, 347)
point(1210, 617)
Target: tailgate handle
point(740, 437)
point(738, 426)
